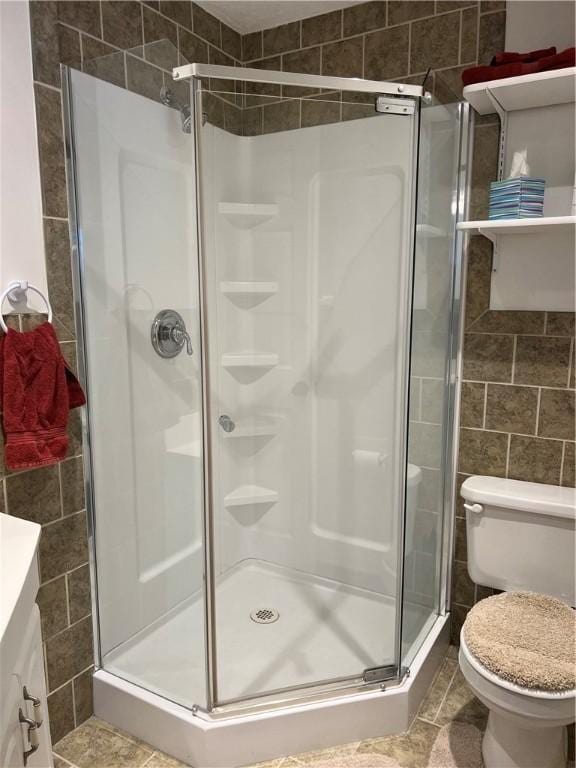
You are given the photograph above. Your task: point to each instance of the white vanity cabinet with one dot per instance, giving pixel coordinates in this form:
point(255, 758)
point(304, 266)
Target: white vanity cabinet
point(24, 724)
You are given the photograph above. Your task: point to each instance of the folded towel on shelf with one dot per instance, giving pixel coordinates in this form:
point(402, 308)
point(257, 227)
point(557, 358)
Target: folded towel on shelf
point(482, 74)
point(37, 390)
point(510, 57)
point(486, 73)
point(566, 58)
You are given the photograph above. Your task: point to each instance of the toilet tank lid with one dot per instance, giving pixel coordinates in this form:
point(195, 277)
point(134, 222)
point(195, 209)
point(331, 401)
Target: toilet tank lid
point(518, 494)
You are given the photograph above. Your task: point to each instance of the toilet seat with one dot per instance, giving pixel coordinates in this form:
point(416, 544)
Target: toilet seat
point(526, 638)
point(517, 690)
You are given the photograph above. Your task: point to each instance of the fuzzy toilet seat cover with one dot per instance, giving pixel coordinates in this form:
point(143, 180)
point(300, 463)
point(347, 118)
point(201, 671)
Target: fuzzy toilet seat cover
point(525, 638)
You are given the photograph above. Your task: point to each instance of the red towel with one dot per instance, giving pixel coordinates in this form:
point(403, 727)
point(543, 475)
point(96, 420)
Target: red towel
point(509, 57)
point(483, 74)
point(37, 390)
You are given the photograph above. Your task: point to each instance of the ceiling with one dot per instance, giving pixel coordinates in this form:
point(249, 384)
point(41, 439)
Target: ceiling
point(252, 15)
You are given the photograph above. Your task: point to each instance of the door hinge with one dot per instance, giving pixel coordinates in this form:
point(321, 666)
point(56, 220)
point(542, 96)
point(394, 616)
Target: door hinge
point(379, 674)
point(394, 106)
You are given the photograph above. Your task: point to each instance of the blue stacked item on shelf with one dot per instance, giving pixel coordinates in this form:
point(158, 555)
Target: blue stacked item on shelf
point(518, 198)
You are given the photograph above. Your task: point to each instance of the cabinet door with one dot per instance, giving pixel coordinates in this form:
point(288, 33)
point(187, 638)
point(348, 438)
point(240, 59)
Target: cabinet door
point(31, 675)
point(11, 741)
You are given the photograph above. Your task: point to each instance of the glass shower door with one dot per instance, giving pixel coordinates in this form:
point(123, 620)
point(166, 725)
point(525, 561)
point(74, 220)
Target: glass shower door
point(135, 246)
point(306, 203)
point(430, 478)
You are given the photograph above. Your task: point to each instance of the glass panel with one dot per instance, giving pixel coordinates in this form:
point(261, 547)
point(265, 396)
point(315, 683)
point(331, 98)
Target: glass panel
point(428, 463)
point(136, 228)
point(306, 232)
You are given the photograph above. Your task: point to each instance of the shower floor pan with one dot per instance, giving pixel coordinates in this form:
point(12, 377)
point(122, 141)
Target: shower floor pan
point(315, 629)
point(322, 629)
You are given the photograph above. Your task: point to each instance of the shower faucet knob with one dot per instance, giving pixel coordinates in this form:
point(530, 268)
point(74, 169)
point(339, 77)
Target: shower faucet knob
point(169, 334)
point(226, 423)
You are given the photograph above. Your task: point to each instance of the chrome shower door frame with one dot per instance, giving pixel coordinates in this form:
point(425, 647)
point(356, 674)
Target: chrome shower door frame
point(369, 679)
point(77, 266)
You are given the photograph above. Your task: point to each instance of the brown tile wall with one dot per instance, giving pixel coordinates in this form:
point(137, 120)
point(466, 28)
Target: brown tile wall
point(383, 40)
point(133, 45)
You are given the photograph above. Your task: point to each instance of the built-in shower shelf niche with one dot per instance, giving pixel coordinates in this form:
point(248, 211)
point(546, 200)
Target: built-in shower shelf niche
point(428, 231)
point(247, 215)
point(249, 495)
point(246, 293)
point(250, 360)
point(256, 427)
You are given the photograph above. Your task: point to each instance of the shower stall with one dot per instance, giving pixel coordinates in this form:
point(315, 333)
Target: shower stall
point(267, 276)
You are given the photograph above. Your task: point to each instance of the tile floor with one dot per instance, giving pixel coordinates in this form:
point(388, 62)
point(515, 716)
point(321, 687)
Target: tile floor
point(96, 744)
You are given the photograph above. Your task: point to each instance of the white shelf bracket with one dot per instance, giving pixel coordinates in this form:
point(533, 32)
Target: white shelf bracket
point(494, 240)
point(503, 115)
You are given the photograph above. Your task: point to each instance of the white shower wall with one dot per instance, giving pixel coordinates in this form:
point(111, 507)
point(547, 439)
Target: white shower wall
point(337, 253)
point(136, 205)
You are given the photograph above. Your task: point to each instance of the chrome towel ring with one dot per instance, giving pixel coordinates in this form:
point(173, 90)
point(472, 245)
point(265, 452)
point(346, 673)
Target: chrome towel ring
point(15, 293)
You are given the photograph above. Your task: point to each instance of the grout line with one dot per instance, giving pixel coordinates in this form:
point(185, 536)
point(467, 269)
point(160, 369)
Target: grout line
point(55, 218)
point(484, 415)
point(125, 64)
point(60, 490)
point(73, 703)
point(45, 667)
point(101, 21)
point(501, 432)
point(81, 46)
point(67, 598)
point(514, 349)
point(446, 694)
point(562, 462)
point(509, 384)
point(509, 443)
point(538, 403)
point(478, 35)
point(460, 32)
point(59, 756)
point(46, 85)
point(60, 519)
point(423, 720)
point(545, 323)
point(571, 361)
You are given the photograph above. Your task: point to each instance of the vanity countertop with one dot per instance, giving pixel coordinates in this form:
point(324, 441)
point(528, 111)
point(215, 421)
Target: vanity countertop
point(19, 579)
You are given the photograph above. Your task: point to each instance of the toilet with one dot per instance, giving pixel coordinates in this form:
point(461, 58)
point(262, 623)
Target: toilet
point(517, 648)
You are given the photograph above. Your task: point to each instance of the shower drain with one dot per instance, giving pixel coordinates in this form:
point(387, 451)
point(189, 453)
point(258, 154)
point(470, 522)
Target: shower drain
point(265, 615)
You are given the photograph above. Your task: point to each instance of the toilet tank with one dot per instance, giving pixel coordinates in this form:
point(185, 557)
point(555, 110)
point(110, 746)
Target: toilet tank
point(521, 535)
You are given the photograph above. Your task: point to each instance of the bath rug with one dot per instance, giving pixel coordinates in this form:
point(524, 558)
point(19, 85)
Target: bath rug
point(525, 638)
point(458, 745)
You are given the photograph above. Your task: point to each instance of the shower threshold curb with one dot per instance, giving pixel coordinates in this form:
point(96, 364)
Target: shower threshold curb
point(206, 742)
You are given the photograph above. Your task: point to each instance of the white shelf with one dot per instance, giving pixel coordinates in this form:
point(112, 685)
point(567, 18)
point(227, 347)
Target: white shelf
point(543, 89)
point(255, 428)
point(247, 215)
point(248, 495)
point(428, 231)
point(249, 360)
point(491, 227)
point(248, 289)
point(193, 450)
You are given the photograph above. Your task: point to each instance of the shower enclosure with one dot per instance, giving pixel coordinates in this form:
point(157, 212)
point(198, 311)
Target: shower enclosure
point(267, 304)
